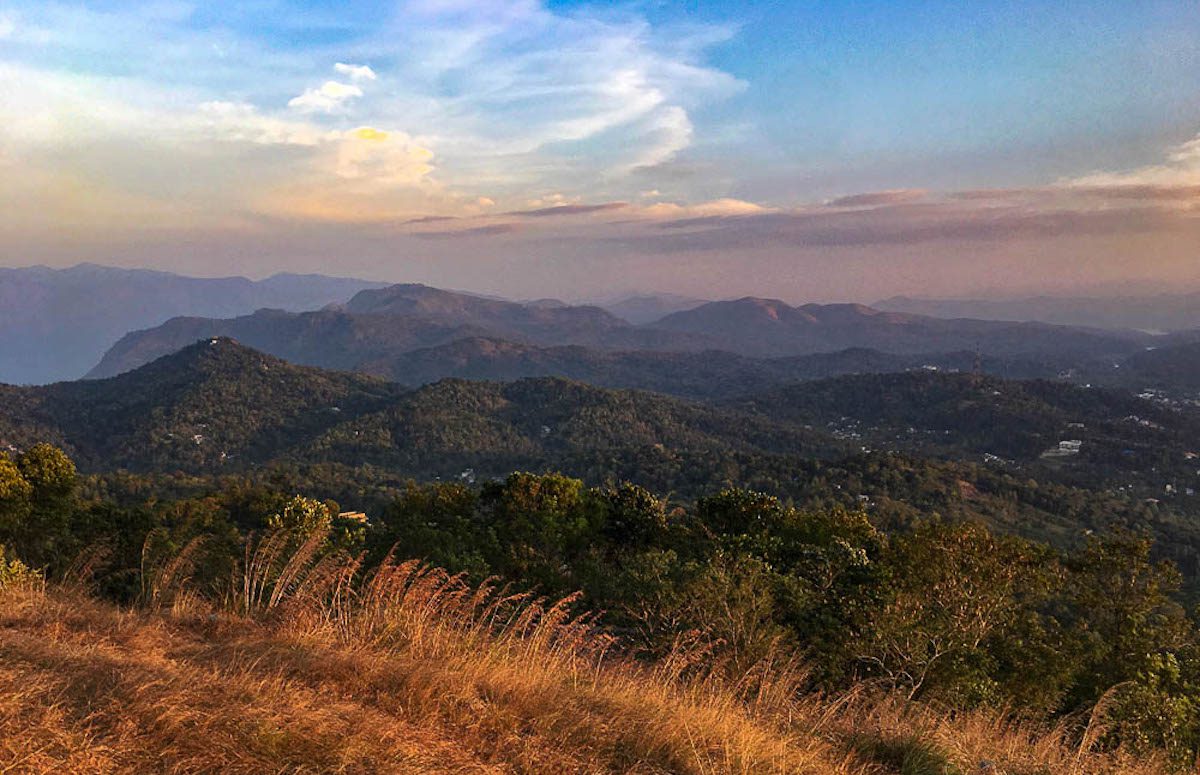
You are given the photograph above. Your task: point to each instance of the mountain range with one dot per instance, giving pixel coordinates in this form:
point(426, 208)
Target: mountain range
point(769, 327)
point(413, 334)
point(1162, 312)
point(55, 324)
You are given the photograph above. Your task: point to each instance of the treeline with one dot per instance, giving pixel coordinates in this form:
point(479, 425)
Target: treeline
point(938, 610)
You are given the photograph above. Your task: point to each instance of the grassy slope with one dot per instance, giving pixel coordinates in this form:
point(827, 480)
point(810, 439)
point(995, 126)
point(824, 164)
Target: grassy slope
point(415, 676)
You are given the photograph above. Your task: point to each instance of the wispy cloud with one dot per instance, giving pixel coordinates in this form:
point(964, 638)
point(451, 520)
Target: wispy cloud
point(902, 224)
point(1180, 170)
point(877, 198)
point(572, 209)
point(511, 96)
point(491, 230)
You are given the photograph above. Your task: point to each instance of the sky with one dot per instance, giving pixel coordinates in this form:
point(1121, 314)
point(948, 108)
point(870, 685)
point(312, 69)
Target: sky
point(809, 151)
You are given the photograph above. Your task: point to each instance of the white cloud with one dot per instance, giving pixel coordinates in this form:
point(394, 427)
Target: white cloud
point(355, 72)
point(514, 97)
point(667, 132)
point(329, 97)
point(7, 26)
point(1181, 168)
point(386, 158)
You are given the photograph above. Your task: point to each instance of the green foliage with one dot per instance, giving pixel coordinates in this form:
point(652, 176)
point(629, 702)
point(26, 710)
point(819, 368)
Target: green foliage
point(950, 589)
point(942, 608)
point(302, 516)
point(1160, 708)
point(16, 493)
point(36, 494)
point(48, 470)
point(15, 574)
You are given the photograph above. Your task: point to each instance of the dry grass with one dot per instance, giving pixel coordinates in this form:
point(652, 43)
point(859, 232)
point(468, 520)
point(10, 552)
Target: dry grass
point(412, 671)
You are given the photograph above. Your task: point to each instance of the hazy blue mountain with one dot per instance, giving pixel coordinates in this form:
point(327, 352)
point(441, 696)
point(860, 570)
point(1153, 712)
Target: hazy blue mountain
point(640, 310)
point(329, 338)
point(55, 324)
point(1164, 312)
point(769, 327)
point(410, 333)
point(378, 324)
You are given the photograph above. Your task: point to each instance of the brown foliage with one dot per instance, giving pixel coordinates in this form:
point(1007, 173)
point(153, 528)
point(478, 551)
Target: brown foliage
point(310, 669)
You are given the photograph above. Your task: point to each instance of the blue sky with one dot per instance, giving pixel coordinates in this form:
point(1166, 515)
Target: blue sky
point(814, 149)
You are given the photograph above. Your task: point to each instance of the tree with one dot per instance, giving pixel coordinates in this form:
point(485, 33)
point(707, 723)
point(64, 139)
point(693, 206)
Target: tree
point(1123, 612)
point(36, 500)
point(951, 587)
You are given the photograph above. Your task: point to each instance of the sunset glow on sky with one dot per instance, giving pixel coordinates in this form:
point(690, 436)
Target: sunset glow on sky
point(806, 150)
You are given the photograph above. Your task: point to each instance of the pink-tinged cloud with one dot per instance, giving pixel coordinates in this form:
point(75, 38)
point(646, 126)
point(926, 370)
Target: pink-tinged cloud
point(880, 198)
point(899, 225)
point(491, 230)
point(1145, 191)
point(543, 212)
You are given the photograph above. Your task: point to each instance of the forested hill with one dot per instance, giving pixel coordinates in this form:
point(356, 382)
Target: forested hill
point(709, 375)
point(218, 406)
point(215, 403)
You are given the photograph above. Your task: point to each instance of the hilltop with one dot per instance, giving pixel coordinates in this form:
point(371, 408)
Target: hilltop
point(213, 403)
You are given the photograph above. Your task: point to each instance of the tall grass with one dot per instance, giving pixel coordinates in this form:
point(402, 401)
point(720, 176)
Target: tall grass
point(312, 663)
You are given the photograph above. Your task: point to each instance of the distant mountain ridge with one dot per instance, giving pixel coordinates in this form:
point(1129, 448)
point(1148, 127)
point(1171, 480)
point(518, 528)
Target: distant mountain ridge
point(56, 324)
point(1162, 312)
point(770, 327)
point(647, 308)
point(708, 374)
point(379, 331)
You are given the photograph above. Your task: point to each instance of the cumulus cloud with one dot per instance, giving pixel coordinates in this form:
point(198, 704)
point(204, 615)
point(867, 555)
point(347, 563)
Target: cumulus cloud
point(355, 72)
point(329, 97)
point(386, 158)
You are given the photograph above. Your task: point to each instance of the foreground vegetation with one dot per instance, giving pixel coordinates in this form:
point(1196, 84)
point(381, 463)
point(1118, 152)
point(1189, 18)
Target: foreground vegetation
point(411, 670)
point(738, 634)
